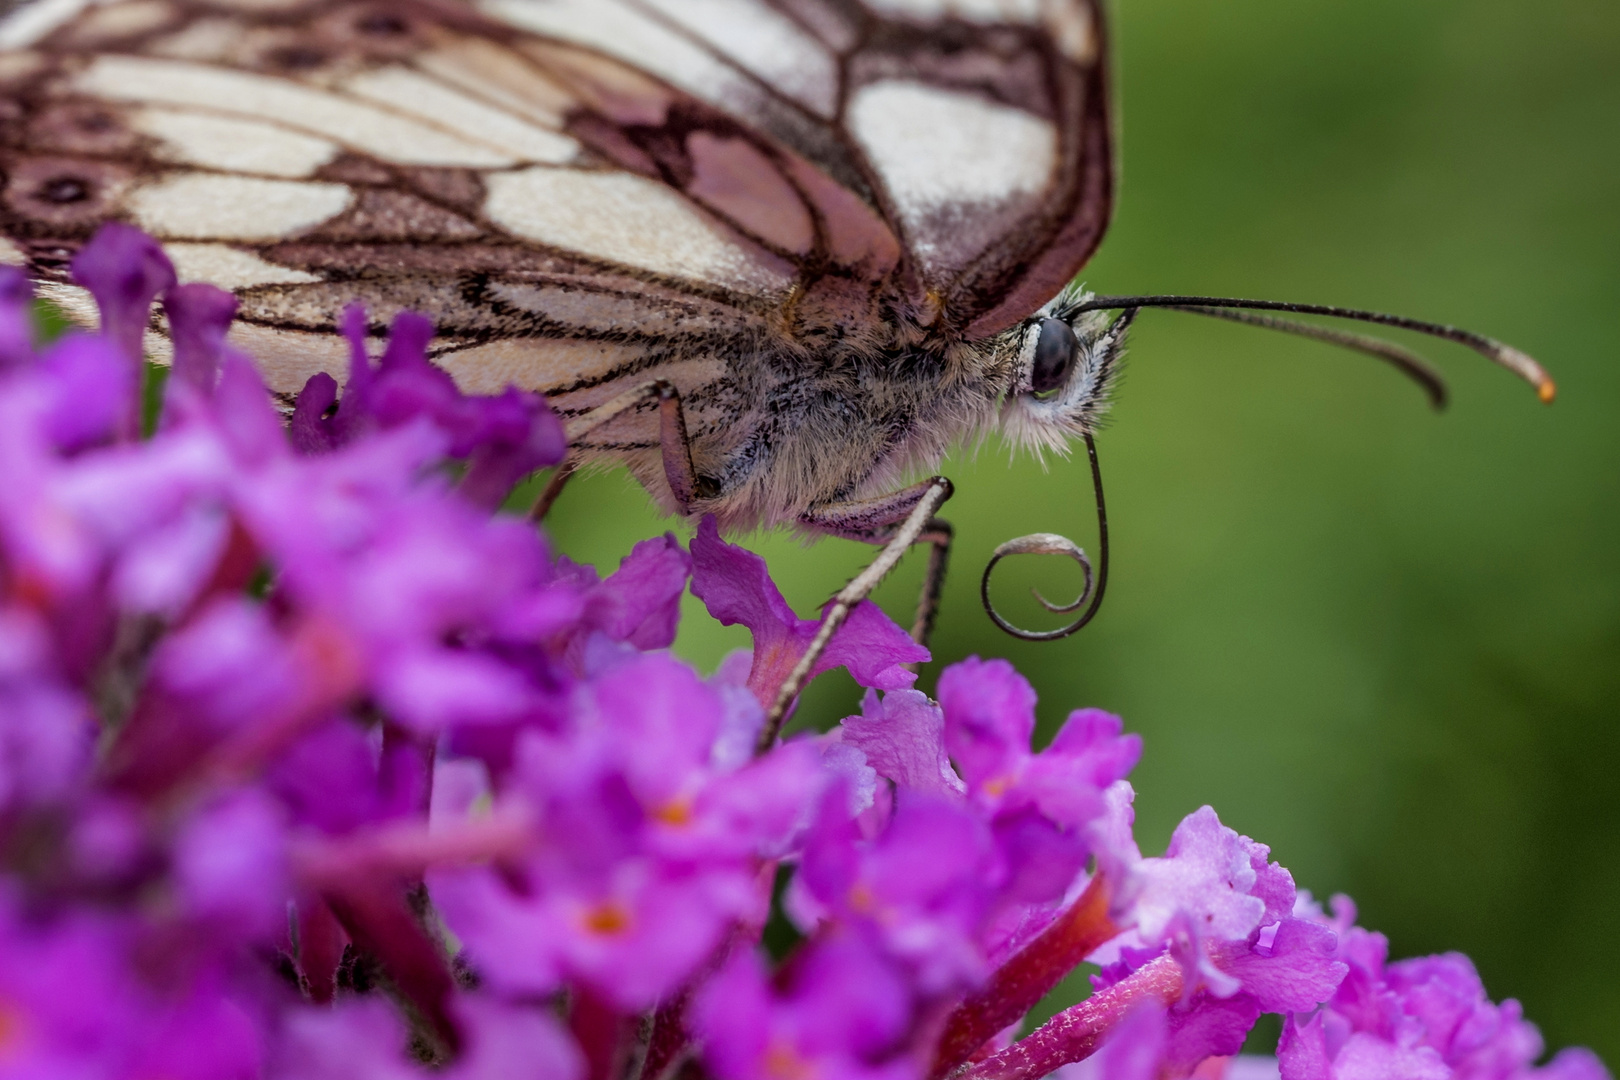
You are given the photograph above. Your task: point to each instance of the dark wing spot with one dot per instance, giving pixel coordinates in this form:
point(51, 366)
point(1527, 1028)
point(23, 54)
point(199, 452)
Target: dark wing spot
point(75, 193)
point(381, 24)
point(296, 58)
point(373, 31)
point(80, 127)
point(353, 169)
point(63, 189)
point(460, 188)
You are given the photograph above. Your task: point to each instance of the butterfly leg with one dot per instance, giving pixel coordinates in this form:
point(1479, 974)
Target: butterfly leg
point(684, 483)
point(897, 522)
point(875, 521)
point(554, 487)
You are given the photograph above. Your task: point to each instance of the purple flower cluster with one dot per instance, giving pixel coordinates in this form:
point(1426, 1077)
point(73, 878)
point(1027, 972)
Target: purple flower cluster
point(1427, 1019)
point(313, 764)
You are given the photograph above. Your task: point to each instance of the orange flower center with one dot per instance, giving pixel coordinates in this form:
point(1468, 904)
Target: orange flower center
point(997, 786)
point(784, 1062)
point(675, 812)
point(861, 898)
point(11, 1028)
point(608, 918)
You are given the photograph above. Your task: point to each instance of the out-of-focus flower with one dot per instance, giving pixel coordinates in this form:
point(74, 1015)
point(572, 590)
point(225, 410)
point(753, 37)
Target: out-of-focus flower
point(125, 270)
point(16, 321)
point(646, 854)
point(839, 1010)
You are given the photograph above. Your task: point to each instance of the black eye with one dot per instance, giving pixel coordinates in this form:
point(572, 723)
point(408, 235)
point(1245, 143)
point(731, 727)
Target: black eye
point(1055, 351)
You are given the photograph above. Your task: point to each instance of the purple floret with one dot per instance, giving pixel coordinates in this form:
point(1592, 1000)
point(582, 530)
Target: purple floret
point(1427, 1017)
point(125, 270)
point(902, 735)
point(840, 1012)
point(736, 587)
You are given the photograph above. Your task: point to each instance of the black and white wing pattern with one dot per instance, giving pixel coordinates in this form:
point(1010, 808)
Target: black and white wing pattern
point(578, 191)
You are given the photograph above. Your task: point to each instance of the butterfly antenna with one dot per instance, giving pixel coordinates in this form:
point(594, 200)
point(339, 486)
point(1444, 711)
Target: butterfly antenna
point(1405, 360)
point(1052, 544)
point(1515, 360)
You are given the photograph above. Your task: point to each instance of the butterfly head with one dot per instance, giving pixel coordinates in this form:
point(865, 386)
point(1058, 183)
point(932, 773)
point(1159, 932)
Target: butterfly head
point(1065, 365)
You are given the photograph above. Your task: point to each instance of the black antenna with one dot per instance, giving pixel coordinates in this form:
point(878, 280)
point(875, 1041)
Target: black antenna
point(1403, 359)
point(1516, 361)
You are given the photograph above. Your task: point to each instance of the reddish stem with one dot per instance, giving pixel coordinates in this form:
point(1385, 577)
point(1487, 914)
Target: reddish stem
point(377, 920)
point(405, 850)
point(320, 948)
point(1024, 979)
point(599, 1030)
point(166, 749)
point(232, 573)
point(406, 772)
point(332, 671)
point(669, 1036)
point(1075, 1033)
point(669, 1041)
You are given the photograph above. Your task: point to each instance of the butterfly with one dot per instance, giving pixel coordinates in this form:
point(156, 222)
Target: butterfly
point(774, 256)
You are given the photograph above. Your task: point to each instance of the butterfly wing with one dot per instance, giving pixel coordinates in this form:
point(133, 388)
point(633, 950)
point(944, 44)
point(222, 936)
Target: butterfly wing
point(977, 131)
point(581, 192)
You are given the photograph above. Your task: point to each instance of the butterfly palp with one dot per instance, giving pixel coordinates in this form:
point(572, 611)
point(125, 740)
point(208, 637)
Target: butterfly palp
point(675, 446)
point(1096, 579)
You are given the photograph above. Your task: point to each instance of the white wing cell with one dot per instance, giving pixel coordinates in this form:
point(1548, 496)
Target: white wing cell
point(201, 206)
point(232, 144)
point(404, 90)
point(627, 219)
point(386, 135)
point(765, 43)
point(959, 168)
point(230, 268)
point(640, 40)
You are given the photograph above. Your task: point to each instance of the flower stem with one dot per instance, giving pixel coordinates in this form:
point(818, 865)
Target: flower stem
point(600, 1031)
point(1024, 979)
point(1076, 1032)
point(669, 1037)
point(404, 850)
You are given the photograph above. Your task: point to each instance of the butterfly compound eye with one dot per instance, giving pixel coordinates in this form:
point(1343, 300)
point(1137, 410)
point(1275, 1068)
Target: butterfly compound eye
point(1055, 351)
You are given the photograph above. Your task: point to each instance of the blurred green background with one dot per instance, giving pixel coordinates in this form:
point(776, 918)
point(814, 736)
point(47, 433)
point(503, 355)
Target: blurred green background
point(1383, 641)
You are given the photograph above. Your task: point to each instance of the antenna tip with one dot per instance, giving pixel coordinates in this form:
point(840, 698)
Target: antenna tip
point(1524, 366)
